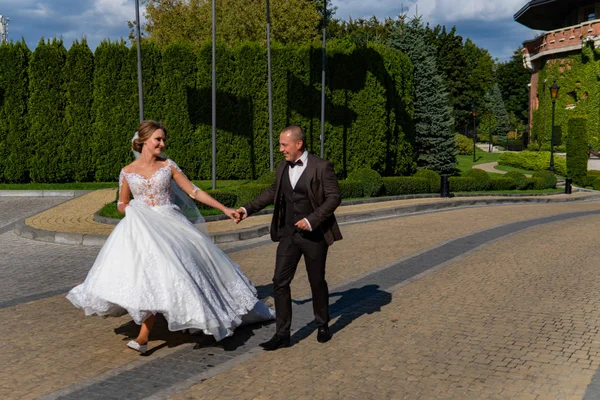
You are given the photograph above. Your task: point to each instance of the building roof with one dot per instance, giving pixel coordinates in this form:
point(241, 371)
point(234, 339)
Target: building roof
point(547, 15)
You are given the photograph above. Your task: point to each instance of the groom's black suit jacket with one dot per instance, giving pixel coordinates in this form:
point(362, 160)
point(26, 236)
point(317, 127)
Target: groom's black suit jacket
point(323, 193)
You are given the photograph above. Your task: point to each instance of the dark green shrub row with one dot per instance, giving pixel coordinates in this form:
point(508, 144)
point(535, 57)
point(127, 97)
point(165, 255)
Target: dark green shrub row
point(478, 180)
point(68, 116)
point(401, 185)
point(533, 161)
point(433, 178)
point(577, 150)
point(371, 181)
point(351, 189)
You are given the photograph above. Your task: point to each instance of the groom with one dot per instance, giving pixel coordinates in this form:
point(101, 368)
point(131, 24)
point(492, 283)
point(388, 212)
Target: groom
point(305, 194)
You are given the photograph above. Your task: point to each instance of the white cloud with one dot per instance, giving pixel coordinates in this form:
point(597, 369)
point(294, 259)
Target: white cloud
point(434, 11)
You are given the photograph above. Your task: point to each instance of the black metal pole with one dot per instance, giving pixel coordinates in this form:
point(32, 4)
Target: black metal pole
point(552, 138)
point(270, 86)
point(490, 132)
point(139, 60)
point(214, 96)
point(474, 139)
point(323, 79)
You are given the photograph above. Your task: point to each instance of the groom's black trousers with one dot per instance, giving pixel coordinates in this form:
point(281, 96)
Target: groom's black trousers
point(313, 247)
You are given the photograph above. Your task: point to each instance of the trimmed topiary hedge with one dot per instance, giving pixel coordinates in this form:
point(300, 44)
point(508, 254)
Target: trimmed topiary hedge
point(544, 180)
point(520, 180)
point(502, 184)
point(481, 177)
point(371, 181)
point(433, 178)
point(533, 161)
point(249, 192)
point(228, 199)
point(351, 189)
point(463, 184)
point(577, 150)
point(400, 185)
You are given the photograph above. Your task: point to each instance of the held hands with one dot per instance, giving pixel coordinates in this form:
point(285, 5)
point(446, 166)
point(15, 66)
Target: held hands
point(231, 213)
point(241, 215)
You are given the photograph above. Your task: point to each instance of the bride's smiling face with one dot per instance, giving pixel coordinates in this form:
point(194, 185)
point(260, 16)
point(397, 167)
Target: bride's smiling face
point(155, 143)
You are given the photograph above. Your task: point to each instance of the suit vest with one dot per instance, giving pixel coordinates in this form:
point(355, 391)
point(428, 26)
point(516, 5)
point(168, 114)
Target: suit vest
point(295, 201)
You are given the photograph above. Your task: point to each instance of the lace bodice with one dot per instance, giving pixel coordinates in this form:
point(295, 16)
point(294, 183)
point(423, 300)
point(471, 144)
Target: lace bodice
point(153, 191)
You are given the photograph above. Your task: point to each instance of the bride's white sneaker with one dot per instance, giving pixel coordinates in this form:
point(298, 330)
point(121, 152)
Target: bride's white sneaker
point(137, 347)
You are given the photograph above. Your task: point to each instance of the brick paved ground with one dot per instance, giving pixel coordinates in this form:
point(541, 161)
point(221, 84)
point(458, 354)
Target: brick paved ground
point(518, 299)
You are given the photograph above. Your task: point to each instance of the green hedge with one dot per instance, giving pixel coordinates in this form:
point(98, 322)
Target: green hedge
point(502, 184)
point(464, 145)
point(371, 181)
point(577, 150)
point(351, 189)
point(519, 179)
point(463, 184)
point(228, 199)
point(369, 107)
point(249, 192)
point(77, 153)
point(533, 161)
point(401, 185)
point(481, 177)
point(435, 181)
point(14, 93)
point(544, 180)
point(46, 112)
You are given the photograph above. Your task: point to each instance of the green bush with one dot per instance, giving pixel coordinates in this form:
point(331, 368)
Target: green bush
point(433, 178)
point(596, 184)
point(371, 181)
point(577, 150)
point(533, 161)
point(544, 180)
point(502, 184)
point(481, 177)
point(249, 192)
point(533, 146)
point(351, 189)
point(46, 112)
point(400, 185)
point(228, 199)
point(14, 92)
point(464, 145)
point(519, 179)
point(463, 184)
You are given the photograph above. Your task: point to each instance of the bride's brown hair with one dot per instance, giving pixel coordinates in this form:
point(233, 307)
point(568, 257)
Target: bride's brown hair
point(145, 131)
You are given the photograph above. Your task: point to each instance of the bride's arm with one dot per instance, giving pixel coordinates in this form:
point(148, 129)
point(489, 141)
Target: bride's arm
point(124, 194)
point(198, 194)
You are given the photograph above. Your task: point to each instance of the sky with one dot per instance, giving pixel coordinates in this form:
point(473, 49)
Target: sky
point(489, 24)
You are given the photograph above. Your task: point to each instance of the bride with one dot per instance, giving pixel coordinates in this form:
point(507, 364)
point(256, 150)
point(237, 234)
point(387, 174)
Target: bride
point(156, 261)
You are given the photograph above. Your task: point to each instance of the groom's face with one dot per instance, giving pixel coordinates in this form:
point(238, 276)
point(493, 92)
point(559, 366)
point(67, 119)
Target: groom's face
point(290, 146)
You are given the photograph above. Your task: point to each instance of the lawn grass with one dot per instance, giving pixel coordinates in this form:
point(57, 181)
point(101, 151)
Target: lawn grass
point(466, 163)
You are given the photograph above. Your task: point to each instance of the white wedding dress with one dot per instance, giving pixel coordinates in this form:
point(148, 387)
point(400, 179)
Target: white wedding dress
point(156, 261)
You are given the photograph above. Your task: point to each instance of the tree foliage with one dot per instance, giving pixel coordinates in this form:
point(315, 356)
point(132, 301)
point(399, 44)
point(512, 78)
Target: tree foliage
point(435, 144)
point(46, 112)
point(14, 94)
point(190, 21)
point(513, 80)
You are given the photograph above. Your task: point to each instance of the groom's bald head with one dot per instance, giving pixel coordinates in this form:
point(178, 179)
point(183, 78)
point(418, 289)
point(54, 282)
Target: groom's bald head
point(296, 133)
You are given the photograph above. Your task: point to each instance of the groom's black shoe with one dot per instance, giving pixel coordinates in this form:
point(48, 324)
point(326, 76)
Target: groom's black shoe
point(323, 334)
point(276, 342)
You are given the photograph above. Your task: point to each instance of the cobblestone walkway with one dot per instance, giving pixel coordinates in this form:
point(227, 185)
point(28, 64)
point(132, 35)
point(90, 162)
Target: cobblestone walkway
point(513, 319)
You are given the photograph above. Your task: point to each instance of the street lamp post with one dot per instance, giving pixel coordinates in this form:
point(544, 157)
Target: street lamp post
point(139, 60)
point(270, 86)
point(214, 95)
point(553, 94)
point(323, 57)
point(489, 113)
point(474, 111)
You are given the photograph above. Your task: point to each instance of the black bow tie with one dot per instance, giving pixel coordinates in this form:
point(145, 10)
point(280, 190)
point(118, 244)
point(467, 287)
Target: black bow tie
point(293, 164)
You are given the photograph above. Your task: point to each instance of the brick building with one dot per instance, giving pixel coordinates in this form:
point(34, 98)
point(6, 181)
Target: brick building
point(567, 26)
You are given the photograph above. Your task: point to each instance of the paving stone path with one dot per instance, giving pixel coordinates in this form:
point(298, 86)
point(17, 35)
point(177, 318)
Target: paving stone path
point(493, 302)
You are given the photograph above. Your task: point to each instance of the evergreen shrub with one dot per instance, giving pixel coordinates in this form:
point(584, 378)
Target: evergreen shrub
point(401, 185)
point(371, 181)
point(577, 151)
point(433, 178)
point(351, 189)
